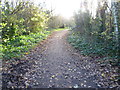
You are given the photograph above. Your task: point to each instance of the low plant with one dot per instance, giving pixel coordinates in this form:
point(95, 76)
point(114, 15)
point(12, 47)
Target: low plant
point(22, 44)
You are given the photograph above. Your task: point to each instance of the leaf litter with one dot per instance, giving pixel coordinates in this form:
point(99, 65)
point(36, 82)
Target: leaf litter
point(55, 64)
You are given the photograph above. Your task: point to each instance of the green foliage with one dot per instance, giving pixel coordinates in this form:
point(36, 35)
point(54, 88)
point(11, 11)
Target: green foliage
point(22, 44)
point(24, 18)
point(59, 29)
point(23, 25)
point(57, 21)
point(96, 34)
point(92, 49)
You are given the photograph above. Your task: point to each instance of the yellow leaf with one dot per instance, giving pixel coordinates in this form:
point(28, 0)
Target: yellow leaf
point(53, 76)
point(103, 74)
point(26, 53)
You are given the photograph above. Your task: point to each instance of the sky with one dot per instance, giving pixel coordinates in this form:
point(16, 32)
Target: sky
point(63, 7)
point(67, 7)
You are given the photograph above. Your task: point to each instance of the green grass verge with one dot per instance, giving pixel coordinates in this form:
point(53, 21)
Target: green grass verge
point(59, 29)
point(22, 44)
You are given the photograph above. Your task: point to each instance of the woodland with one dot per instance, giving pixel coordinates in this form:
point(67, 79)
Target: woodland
point(23, 25)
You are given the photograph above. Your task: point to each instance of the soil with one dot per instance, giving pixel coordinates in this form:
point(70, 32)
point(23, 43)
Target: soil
point(54, 63)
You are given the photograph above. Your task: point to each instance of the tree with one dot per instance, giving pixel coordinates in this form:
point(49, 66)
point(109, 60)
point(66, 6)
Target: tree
point(56, 21)
point(22, 19)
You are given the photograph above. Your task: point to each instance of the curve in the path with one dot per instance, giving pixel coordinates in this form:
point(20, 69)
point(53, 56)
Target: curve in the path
point(58, 65)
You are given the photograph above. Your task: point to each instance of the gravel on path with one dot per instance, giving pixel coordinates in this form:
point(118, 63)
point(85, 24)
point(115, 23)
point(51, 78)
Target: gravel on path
point(58, 65)
point(53, 63)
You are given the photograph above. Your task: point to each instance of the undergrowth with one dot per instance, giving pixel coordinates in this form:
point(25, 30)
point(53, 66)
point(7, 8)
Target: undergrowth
point(60, 29)
point(57, 29)
point(21, 45)
point(103, 53)
point(94, 49)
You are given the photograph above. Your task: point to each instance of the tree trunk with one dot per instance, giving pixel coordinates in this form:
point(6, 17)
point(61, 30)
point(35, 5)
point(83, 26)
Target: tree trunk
point(115, 17)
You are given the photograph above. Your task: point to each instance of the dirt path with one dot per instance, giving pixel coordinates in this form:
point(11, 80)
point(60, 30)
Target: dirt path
point(58, 65)
point(53, 63)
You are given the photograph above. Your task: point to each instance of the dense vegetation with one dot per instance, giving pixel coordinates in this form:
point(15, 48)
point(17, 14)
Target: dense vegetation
point(96, 35)
point(23, 24)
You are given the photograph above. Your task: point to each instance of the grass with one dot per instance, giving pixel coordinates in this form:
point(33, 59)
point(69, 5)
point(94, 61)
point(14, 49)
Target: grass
point(59, 29)
point(22, 44)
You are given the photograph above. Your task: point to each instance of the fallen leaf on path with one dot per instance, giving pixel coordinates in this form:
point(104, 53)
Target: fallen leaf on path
point(53, 76)
point(76, 86)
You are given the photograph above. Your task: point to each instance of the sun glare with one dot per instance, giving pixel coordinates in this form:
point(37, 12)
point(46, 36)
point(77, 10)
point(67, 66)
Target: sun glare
point(64, 7)
point(67, 7)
